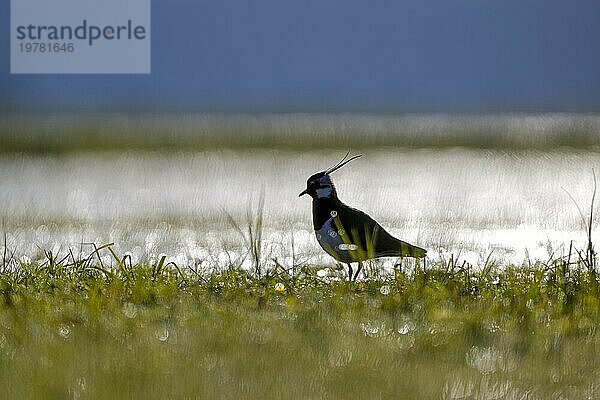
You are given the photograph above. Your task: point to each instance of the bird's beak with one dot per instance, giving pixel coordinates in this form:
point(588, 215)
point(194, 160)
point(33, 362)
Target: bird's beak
point(305, 191)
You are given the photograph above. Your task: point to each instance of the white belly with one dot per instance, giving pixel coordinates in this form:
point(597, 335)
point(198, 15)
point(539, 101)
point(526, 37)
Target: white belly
point(331, 241)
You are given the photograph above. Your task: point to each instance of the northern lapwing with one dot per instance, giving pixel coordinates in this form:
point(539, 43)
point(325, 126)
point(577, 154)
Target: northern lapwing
point(345, 233)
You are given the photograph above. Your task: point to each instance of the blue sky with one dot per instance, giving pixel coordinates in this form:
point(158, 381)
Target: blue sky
point(357, 56)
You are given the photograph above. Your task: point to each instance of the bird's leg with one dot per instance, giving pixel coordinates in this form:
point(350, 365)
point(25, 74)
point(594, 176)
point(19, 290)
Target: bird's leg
point(360, 265)
point(349, 272)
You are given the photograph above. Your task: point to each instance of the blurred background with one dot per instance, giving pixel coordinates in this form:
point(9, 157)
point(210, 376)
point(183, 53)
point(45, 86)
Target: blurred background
point(475, 119)
point(359, 56)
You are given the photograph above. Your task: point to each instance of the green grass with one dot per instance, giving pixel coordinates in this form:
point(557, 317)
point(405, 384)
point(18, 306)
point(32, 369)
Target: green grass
point(169, 132)
point(78, 329)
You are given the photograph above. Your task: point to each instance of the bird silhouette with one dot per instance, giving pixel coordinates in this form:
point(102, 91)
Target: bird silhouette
point(345, 233)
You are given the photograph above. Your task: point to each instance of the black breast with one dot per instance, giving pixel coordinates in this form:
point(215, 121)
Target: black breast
point(321, 210)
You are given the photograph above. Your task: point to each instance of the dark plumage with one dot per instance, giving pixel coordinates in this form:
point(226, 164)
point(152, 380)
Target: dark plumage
point(347, 234)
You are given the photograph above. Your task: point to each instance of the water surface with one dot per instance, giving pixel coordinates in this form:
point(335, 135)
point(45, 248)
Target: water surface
point(470, 203)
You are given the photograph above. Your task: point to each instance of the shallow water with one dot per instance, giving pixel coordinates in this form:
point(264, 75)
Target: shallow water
point(454, 201)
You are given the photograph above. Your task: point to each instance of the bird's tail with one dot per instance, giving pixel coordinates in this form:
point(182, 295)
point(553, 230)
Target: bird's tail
point(408, 250)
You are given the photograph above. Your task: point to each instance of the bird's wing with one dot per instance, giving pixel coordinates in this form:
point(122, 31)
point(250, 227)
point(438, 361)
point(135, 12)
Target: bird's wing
point(373, 240)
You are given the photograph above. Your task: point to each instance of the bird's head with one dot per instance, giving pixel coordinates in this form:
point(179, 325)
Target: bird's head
point(320, 185)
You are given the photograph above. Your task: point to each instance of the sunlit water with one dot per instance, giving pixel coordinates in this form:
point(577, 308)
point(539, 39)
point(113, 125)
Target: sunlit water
point(469, 203)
